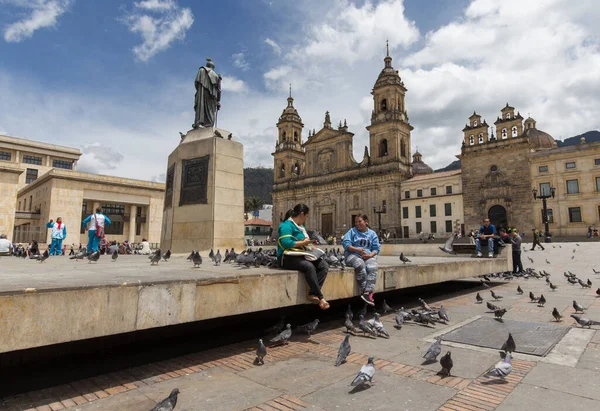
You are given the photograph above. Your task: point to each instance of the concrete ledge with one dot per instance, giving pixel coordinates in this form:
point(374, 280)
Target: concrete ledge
point(58, 313)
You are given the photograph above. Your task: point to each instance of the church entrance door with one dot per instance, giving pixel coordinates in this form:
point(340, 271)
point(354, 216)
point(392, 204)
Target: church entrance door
point(497, 216)
point(326, 224)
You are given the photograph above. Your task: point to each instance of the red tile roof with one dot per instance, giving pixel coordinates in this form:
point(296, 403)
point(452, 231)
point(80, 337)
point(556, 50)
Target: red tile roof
point(258, 221)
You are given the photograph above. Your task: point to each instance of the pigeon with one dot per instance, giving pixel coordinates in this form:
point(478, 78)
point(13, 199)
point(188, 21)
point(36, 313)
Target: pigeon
point(443, 314)
point(532, 297)
point(491, 306)
point(365, 374)
point(378, 327)
point(308, 328)
point(365, 327)
point(155, 258)
point(589, 283)
point(115, 255)
point(167, 255)
point(582, 284)
point(509, 345)
point(350, 328)
point(553, 287)
point(530, 260)
point(484, 284)
point(349, 312)
point(404, 259)
point(343, 351)
point(425, 318)
point(478, 299)
point(584, 322)
point(211, 255)
point(197, 259)
point(283, 337)
point(495, 296)
point(486, 278)
point(434, 350)
point(79, 256)
point(578, 307)
point(191, 256)
point(499, 313)
point(447, 364)
point(217, 258)
point(424, 305)
point(547, 280)
point(399, 320)
point(94, 257)
point(575, 281)
point(501, 369)
point(386, 308)
point(541, 301)
point(277, 328)
point(261, 353)
point(44, 256)
point(556, 314)
point(598, 291)
point(519, 290)
point(168, 404)
point(547, 262)
point(595, 272)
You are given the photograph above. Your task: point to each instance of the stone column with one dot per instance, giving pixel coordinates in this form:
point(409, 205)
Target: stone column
point(132, 217)
point(48, 163)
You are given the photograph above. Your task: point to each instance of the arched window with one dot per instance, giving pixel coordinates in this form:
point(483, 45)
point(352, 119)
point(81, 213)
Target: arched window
point(296, 169)
point(383, 105)
point(403, 148)
point(295, 136)
point(504, 134)
point(282, 171)
point(283, 136)
point(474, 123)
point(472, 140)
point(514, 131)
point(480, 138)
point(383, 148)
point(508, 116)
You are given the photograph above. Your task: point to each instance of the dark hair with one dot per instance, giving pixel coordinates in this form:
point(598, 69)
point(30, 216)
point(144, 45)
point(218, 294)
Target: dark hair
point(296, 211)
point(98, 209)
point(363, 217)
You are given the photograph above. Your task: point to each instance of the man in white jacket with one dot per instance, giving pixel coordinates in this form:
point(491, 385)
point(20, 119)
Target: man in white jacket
point(59, 232)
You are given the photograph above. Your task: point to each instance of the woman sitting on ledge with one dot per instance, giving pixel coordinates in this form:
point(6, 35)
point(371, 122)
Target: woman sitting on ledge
point(362, 246)
point(294, 238)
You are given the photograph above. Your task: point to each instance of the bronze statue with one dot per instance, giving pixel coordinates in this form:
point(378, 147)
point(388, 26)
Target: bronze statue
point(208, 95)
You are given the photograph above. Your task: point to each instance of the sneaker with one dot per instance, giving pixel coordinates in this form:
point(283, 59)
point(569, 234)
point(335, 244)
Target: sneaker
point(479, 255)
point(368, 298)
point(491, 255)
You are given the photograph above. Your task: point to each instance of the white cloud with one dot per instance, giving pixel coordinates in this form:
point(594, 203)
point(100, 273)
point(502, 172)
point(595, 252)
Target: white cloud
point(159, 23)
point(41, 14)
point(233, 85)
point(97, 156)
point(276, 47)
point(239, 61)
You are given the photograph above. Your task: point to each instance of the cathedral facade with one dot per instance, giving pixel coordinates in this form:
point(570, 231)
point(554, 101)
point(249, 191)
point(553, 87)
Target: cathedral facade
point(322, 172)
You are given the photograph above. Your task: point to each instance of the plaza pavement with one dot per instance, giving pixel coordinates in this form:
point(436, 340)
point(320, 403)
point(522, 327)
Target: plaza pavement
point(301, 375)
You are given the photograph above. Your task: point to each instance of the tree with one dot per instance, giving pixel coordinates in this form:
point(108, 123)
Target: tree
point(253, 204)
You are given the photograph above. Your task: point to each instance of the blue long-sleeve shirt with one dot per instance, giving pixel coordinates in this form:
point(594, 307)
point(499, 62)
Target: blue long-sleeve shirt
point(367, 240)
point(58, 233)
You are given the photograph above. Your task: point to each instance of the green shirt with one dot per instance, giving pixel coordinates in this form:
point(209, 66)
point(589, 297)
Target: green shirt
point(288, 235)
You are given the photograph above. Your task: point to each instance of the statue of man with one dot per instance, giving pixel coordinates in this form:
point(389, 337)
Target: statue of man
point(208, 95)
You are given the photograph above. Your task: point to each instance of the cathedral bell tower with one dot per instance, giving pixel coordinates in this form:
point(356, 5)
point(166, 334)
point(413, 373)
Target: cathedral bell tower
point(389, 131)
point(289, 156)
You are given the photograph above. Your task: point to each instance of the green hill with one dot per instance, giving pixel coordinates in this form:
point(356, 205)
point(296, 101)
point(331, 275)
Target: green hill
point(258, 182)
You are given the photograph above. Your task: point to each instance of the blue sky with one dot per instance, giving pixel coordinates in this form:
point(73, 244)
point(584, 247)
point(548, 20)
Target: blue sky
point(115, 78)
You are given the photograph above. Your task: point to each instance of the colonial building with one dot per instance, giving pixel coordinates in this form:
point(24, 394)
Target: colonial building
point(322, 172)
point(39, 182)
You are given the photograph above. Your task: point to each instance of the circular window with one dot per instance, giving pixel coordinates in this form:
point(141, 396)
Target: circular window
point(494, 168)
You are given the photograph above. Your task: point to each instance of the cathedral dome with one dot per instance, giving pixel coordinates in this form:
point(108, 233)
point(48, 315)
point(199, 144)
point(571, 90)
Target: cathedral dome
point(539, 139)
point(418, 166)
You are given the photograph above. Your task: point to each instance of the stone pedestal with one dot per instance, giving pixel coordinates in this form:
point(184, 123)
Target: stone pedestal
point(204, 199)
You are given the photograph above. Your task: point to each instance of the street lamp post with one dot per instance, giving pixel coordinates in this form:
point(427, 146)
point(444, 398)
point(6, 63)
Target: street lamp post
point(544, 196)
point(382, 210)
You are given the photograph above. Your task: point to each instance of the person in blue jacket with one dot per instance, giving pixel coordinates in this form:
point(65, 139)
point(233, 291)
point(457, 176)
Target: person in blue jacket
point(361, 245)
point(293, 235)
point(96, 223)
point(59, 232)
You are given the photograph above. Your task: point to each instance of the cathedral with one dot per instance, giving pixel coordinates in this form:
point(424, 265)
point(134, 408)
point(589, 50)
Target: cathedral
point(322, 173)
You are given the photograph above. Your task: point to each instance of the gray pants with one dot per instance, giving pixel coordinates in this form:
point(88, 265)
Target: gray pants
point(366, 272)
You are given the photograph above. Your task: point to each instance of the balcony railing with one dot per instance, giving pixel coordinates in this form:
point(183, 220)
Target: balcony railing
point(27, 215)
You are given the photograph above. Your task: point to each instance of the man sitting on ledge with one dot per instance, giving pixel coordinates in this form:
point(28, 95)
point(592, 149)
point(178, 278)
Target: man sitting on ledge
point(487, 232)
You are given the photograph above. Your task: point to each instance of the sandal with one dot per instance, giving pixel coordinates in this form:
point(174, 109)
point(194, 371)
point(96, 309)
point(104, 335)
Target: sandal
point(313, 299)
point(323, 305)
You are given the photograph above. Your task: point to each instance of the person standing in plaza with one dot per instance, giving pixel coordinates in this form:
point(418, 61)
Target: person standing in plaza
point(536, 239)
point(294, 238)
point(6, 246)
point(487, 232)
point(361, 245)
point(96, 223)
point(516, 241)
point(59, 232)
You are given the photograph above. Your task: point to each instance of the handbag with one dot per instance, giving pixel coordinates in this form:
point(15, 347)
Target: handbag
point(98, 228)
